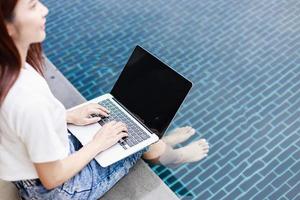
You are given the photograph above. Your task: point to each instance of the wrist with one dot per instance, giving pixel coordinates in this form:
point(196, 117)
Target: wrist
point(70, 117)
point(95, 144)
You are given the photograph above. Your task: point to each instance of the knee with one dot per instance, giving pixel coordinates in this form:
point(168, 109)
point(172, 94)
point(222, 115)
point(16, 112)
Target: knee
point(155, 150)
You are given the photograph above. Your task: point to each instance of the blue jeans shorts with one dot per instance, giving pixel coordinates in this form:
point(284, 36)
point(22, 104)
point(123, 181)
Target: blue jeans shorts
point(92, 182)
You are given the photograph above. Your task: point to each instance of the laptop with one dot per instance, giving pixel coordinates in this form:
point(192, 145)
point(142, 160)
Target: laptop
point(146, 97)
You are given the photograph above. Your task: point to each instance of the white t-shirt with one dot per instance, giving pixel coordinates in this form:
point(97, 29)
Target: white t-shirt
point(33, 127)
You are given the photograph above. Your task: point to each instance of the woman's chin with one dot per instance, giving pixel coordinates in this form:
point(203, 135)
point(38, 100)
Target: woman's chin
point(41, 37)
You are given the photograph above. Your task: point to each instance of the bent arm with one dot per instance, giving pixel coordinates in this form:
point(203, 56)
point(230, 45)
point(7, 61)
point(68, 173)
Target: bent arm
point(53, 174)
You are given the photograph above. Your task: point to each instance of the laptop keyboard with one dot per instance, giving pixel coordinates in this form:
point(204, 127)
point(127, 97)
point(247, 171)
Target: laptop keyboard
point(135, 133)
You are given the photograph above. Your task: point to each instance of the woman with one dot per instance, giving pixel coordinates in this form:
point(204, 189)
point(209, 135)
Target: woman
point(37, 153)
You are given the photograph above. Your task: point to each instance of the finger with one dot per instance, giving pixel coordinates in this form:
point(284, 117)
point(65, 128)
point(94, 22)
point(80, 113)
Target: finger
point(122, 132)
point(119, 123)
point(97, 111)
point(91, 120)
point(100, 107)
point(111, 123)
point(120, 129)
point(124, 128)
point(122, 135)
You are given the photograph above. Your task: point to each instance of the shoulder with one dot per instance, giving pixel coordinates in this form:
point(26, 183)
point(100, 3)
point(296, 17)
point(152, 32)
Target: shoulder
point(24, 106)
point(25, 96)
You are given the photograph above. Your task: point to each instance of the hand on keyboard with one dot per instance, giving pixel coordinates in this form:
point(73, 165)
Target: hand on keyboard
point(135, 133)
point(110, 134)
point(83, 114)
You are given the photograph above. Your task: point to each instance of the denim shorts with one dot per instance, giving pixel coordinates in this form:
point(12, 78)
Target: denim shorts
point(92, 182)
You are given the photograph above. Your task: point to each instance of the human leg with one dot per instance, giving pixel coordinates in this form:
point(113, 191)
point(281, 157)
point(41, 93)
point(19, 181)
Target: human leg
point(164, 154)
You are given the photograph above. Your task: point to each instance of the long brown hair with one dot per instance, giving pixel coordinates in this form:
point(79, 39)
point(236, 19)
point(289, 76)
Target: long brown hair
point(10, 59)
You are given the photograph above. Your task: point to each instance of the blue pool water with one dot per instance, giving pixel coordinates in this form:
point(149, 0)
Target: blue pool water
point(244, 60)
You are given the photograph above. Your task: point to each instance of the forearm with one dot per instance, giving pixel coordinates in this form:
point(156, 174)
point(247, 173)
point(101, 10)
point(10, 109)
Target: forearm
point(70, 166)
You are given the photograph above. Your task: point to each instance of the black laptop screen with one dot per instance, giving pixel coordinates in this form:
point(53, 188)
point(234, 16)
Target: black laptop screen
point(150, 90)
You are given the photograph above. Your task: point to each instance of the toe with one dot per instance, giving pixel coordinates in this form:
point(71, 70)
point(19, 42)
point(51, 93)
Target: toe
point(203, 156)
point(204, 145)
point(192, 131)
point(202, 141)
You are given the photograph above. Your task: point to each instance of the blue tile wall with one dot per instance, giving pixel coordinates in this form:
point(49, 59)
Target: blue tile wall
point(244, 60)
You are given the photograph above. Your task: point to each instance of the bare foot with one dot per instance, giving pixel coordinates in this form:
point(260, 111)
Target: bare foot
point(178, 135)
point(193, 152)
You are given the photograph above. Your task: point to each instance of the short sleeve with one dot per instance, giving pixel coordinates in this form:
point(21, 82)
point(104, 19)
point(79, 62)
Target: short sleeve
point(36, 128)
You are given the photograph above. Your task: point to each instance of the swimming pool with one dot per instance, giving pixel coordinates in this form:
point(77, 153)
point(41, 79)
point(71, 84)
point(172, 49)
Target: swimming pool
point(243, 57)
